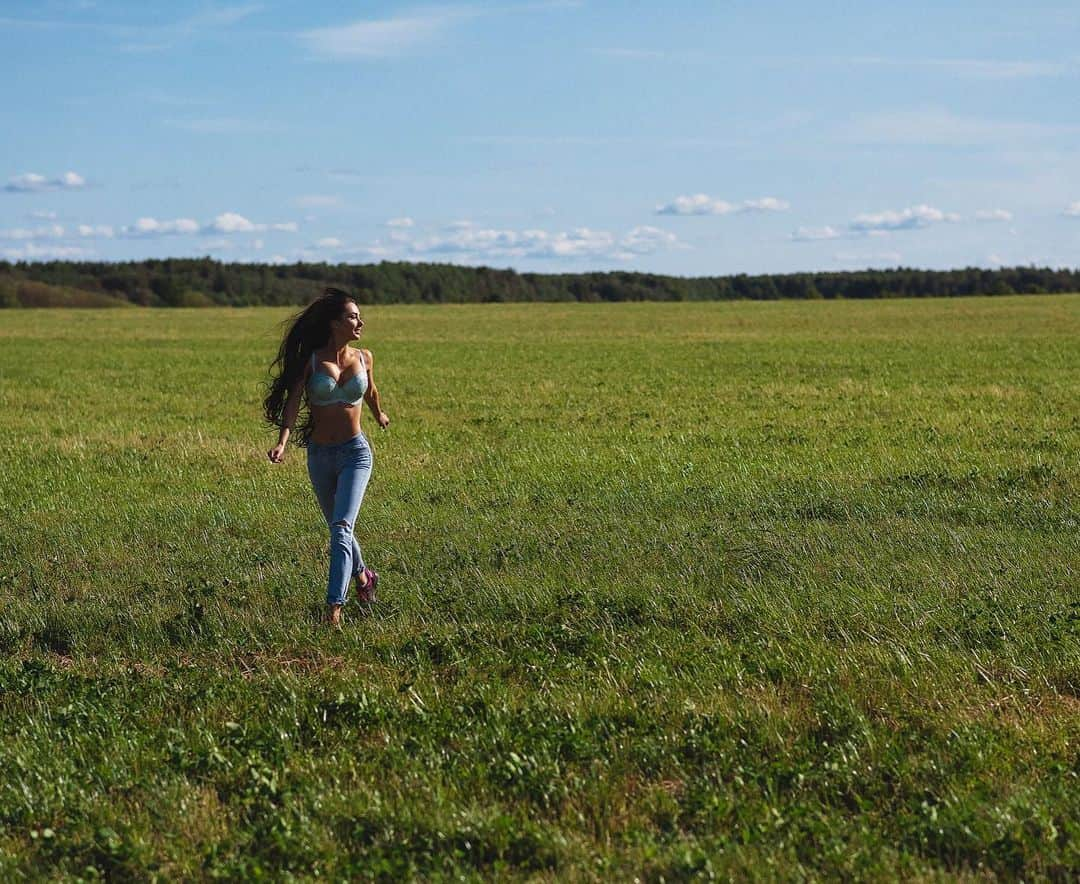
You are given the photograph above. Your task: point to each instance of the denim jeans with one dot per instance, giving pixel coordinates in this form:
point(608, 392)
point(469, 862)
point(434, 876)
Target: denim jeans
point(339, 474)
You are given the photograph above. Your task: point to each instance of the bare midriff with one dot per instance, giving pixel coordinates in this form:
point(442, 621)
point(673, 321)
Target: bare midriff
point(334, 424)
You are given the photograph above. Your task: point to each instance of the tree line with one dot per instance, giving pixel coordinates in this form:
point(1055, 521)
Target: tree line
point(194, 282)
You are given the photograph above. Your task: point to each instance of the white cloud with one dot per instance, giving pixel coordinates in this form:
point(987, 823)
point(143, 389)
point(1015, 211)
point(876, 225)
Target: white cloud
point(147, 227)
point(766, 204)
point(232, 222)
point(697, 204)
point(906, 219)
point(479, 243)
point(400, 222)
point(42, 215)
point(257, 244)
point(329, 242)
point(811, 234)
point(1073, 209)
point(32, 182)
point(104, 231)
point(56, 231)
point(702, 204)
point(32, 251)
point(578, 243)
point(226, 224)
point(993, 215)
point(383, 38)
point(645, 240)
point(51, 231)
point(470, 239)
point(318, 201)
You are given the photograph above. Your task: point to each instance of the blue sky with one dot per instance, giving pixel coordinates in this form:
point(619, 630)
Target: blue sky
point(682, 137)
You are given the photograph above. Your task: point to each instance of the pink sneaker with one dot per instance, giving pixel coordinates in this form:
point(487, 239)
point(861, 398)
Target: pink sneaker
point(366, 593)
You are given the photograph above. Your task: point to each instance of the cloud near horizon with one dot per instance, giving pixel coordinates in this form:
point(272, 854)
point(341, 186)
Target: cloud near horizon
point(153, 227)
point(231, 222)
point(32, 182)
point(703, 204)
point(478, 243)
point(993, 215)
point(102, 231)
point(814, 234)
point(878, 224)
point(33, 252)
point(225, 223)
point(26, 234)
point(906, 219)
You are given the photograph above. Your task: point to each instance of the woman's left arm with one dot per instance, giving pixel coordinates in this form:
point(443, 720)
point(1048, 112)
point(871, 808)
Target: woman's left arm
point(371, 397)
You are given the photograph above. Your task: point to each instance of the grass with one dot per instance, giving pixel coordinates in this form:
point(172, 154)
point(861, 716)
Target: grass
point(752, 590)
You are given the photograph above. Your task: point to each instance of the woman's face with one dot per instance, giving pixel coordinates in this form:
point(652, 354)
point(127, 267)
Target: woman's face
point(350, 321)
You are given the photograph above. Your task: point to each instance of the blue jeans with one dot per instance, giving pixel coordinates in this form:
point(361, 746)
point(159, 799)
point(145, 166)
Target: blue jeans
point(339, 474)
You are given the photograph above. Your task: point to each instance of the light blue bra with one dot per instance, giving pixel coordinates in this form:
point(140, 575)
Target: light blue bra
point(324, 390)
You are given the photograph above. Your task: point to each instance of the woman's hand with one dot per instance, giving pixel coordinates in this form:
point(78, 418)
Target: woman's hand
point(383, 419)
point(277, 453)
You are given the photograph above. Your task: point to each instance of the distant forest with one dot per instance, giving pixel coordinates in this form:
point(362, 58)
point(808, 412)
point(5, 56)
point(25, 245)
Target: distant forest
point(184, 282)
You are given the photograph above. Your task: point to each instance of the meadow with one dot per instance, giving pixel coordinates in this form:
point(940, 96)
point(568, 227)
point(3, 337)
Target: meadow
point(752, 590)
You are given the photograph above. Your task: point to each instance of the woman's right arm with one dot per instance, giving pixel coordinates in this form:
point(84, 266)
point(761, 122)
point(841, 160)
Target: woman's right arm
point(288, 418)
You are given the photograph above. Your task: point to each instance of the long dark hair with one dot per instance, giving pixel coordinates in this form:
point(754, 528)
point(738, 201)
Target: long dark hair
point(307, 331)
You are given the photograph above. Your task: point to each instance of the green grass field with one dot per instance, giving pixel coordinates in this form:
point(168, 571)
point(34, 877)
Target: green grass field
point(754, 590)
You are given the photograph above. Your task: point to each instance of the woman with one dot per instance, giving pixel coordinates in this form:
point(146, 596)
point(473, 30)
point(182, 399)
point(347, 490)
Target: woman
point(316, 363)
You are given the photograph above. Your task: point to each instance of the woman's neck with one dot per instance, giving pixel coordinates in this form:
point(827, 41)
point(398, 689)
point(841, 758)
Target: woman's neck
point(339, 348)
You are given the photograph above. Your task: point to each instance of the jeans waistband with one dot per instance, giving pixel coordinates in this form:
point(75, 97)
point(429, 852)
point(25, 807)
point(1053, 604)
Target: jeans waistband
point(359, 437)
